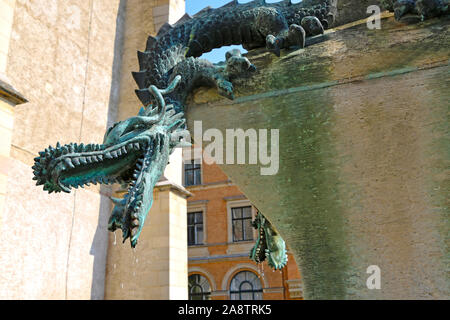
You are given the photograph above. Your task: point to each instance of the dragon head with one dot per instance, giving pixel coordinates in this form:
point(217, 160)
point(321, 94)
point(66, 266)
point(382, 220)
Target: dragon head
point(135, 152)
point(269, 244)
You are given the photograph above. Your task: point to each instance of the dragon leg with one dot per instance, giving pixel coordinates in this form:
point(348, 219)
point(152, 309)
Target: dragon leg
point(312, 26)
point(295, 35)
point(200, 71)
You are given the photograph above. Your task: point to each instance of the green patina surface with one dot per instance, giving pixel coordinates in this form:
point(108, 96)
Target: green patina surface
point(350, 191)
point(438, 182)
point(316, 228)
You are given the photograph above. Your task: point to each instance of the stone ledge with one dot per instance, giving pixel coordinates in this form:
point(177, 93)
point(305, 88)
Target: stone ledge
point(168, 185)
point(10, 94)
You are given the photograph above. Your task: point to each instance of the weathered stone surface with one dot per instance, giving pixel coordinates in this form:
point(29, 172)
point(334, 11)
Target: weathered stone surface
point(363, 178)
point(157, 267)
point(61, 57)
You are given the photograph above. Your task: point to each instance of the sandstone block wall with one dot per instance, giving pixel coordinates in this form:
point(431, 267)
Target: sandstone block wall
point(157, 268)
point(61, 57)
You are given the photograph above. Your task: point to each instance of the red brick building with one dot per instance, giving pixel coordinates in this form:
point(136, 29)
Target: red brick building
point(220, 237)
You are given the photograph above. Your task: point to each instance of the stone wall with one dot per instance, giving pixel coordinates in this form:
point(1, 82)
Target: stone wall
point(61, 57)
point(363, 178)
point(6, 20)
point(73, 62)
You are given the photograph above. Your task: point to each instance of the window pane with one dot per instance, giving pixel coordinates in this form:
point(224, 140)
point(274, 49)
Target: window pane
point(191, 218)
point(246, 286)
point(191, 235)
point(199, 288)
point(196, 289)
point(199, 229)
point(237, 213)
point(247, 212)
point(248, 229)
point(237, 230)
point(189, 178)
point(197, 176)
point(199, 217)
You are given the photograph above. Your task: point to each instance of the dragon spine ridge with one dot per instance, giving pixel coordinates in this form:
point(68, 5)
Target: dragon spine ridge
point(214, 28)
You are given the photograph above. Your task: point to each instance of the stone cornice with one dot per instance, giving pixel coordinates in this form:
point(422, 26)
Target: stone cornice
point(168, 185)
point(10, 94)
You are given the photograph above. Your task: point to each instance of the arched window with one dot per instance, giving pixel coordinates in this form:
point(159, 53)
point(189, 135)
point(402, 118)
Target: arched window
point(245, 286)
point(199, 288)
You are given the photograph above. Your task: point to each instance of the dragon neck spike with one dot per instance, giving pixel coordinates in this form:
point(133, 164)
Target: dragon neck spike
point(183, 19)
point(151, 41)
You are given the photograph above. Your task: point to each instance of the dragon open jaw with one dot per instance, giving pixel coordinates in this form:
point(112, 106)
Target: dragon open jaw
point(61, 168)
point(269, 244)
point(135, 152)
point(71, 166)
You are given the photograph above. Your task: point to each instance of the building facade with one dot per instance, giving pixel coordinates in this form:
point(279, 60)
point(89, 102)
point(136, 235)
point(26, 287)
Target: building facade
point(220, 237)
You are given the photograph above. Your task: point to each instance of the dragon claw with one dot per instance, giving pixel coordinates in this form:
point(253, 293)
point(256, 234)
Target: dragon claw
point(296, 36)
point(312, 26)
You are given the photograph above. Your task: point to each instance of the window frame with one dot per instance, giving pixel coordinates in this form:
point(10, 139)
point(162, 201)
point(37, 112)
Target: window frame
point(200, 169)
point(198, 284)
point(201, 212)
point(235, 204)
point(242, 221)
point(199, 206)
point(240, 292)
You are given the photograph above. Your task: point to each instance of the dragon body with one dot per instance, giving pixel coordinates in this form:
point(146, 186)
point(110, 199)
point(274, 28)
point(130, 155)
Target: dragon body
point(136, 151)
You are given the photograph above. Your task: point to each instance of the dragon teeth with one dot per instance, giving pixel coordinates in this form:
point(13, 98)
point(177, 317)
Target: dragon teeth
point(69, 163)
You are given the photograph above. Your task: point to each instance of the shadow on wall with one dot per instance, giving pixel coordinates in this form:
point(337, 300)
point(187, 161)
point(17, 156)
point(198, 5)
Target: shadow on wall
point(99, 248)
